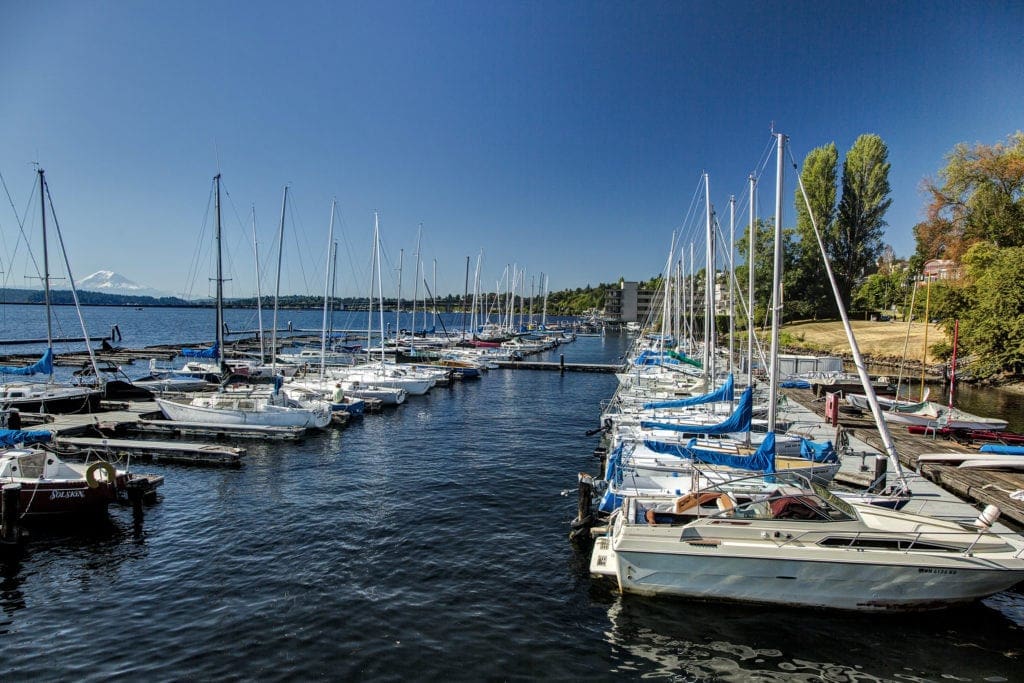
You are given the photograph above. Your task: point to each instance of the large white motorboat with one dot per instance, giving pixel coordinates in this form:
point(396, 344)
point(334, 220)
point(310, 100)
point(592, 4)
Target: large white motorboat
point(803, 546)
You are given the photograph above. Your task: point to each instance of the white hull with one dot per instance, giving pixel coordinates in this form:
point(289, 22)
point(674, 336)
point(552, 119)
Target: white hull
point(243, 411)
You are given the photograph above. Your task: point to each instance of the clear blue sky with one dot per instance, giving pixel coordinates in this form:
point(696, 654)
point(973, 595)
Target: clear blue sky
point(566, 137)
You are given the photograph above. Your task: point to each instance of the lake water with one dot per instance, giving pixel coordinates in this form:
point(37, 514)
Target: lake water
point(428, 542)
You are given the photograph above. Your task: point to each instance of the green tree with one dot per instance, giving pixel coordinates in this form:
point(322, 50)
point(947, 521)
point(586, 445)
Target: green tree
point(811, 294)
point(764, 259)
point(860, 221)
point(992, 310)
point(979, 197)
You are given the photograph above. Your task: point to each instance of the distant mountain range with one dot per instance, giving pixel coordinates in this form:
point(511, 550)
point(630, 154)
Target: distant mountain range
point(109, 282)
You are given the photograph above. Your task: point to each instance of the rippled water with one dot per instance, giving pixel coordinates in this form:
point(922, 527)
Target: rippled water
point(426, 543)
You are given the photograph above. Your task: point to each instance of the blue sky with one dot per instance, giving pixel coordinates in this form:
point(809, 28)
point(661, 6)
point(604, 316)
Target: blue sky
point(566, 137)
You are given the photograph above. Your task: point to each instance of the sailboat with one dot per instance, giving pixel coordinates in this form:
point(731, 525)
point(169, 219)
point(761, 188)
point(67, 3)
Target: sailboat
point(48, 396)
point(800, 545)
point(272, 408)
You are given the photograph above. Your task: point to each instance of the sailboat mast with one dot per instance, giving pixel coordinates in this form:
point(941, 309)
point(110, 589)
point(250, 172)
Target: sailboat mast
point(751, 242)
point(327, 285)
point(416, 284)
point(334, 284)
point(465, 295)
point(693, 322)
point(380, 287)
point(398, 304)
point(259, 293)
point(776, 299)
point(220, 277)
point(46, 264)
point(709, 287)
point(277, 290)
point(369, 300)
point(732, 272)
point(544, 313)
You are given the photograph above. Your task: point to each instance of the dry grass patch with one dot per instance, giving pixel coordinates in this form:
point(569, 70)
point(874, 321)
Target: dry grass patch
point(880, 340)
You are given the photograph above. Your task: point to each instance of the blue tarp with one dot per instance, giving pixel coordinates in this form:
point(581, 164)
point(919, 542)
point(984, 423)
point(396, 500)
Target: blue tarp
point(613, 475)
point(722, 393)
point(817, 452)
point(795, 384)
point(43, 366)
point(761, 460)
point(211, 352)
point(1002, 449)
point(11, 437)
point(739, 421)
point(648, 357)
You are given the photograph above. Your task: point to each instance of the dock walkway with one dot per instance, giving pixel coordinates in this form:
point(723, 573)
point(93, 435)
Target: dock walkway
point(931, 482)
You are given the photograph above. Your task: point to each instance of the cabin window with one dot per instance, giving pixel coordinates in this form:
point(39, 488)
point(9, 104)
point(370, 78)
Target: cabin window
point(900, 544)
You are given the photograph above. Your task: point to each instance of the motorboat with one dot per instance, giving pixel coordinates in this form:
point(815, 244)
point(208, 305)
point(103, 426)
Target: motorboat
point(801, 545)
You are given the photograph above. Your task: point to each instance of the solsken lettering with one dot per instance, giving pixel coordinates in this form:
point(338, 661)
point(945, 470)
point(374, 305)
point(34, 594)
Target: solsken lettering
point(58, 495)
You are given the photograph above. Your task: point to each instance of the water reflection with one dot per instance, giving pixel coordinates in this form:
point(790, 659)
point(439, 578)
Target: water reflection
point(703, 641)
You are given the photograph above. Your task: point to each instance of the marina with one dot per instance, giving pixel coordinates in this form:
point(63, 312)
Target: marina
point(332, 526)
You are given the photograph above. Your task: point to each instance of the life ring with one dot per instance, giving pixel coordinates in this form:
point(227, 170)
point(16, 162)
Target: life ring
point(90, 474)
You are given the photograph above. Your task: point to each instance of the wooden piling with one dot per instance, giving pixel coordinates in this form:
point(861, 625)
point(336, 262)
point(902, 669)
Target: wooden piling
point(10, 532)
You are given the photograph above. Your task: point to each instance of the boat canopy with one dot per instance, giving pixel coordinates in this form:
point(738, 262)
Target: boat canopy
point(649, 357)
point(211, 352)
point(722, 393)
point(739, 421)
point(12, 437)
point(42, 366)
point(818, 452)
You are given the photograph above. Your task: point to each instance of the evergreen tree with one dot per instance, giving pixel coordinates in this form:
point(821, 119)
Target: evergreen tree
point(861, 218)
point(812, 295)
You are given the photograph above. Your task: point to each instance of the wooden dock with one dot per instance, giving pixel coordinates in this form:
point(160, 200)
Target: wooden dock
point(980, 486)
point(154, 451)
point(557, 367)
point(213, 431)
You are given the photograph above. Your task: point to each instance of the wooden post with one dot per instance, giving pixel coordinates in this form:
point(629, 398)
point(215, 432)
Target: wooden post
point(583, 520)
point(136, 492)
point(561, 363)
point(10, 533)
point(881, 465)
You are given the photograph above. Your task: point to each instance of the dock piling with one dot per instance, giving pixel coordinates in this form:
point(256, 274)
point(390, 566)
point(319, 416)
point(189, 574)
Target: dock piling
point(137, 489)
point(10, 532)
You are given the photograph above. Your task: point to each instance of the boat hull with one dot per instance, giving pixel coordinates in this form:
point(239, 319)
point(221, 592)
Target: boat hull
point(271, 416)
point(703, 572)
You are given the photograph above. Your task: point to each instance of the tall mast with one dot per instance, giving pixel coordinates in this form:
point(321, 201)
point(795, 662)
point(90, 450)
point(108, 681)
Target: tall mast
point(434, 280)
point(710, 276)
point(334, 283)
point(46, 263)
point(220, 279)
point(259, 294)
point(369, 300)
point(751, 248)
point(465, 295)
point(398, 304)
point(773, 360)
point(416, 285)
point(380, 287)
point(544, 312)
point(693, 322)
point(732, 272)
point(327, 286)
point(277, 290)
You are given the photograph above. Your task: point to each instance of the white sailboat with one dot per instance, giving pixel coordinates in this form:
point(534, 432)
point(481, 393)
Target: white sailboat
point(232, 407)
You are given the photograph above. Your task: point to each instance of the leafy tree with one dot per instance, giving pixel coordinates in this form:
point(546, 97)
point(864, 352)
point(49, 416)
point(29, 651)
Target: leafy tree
point(764, 259)
point(861, 217)
point(812, 294)
point(991, 310)
point(979, 196)
point(881, 291)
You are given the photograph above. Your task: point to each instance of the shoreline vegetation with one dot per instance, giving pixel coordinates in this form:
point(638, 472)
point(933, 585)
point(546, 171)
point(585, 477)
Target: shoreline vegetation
point(881, 344)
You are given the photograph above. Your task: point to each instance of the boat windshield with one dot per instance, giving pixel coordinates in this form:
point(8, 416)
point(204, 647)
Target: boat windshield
point(802, 505)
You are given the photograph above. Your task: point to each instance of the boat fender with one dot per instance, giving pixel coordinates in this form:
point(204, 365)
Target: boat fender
point(90, 474)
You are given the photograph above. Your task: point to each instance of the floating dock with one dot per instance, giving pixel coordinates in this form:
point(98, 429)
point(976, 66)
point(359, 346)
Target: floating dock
point(213, 431)
point(557, 367)
point(154, 451)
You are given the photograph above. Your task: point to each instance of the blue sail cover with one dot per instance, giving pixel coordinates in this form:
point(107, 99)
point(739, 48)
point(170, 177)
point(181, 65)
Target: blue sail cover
point(1001, 449)
point(612, 474)
point(761, 460)
point(739, 421)
point(11, 437)
point(201, 353)
point(648, 357)
point(722, 393)
point(43, 366)
point(818, 452)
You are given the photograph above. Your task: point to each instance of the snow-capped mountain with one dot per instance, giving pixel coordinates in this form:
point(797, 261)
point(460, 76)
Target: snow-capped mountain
point(109, 282)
